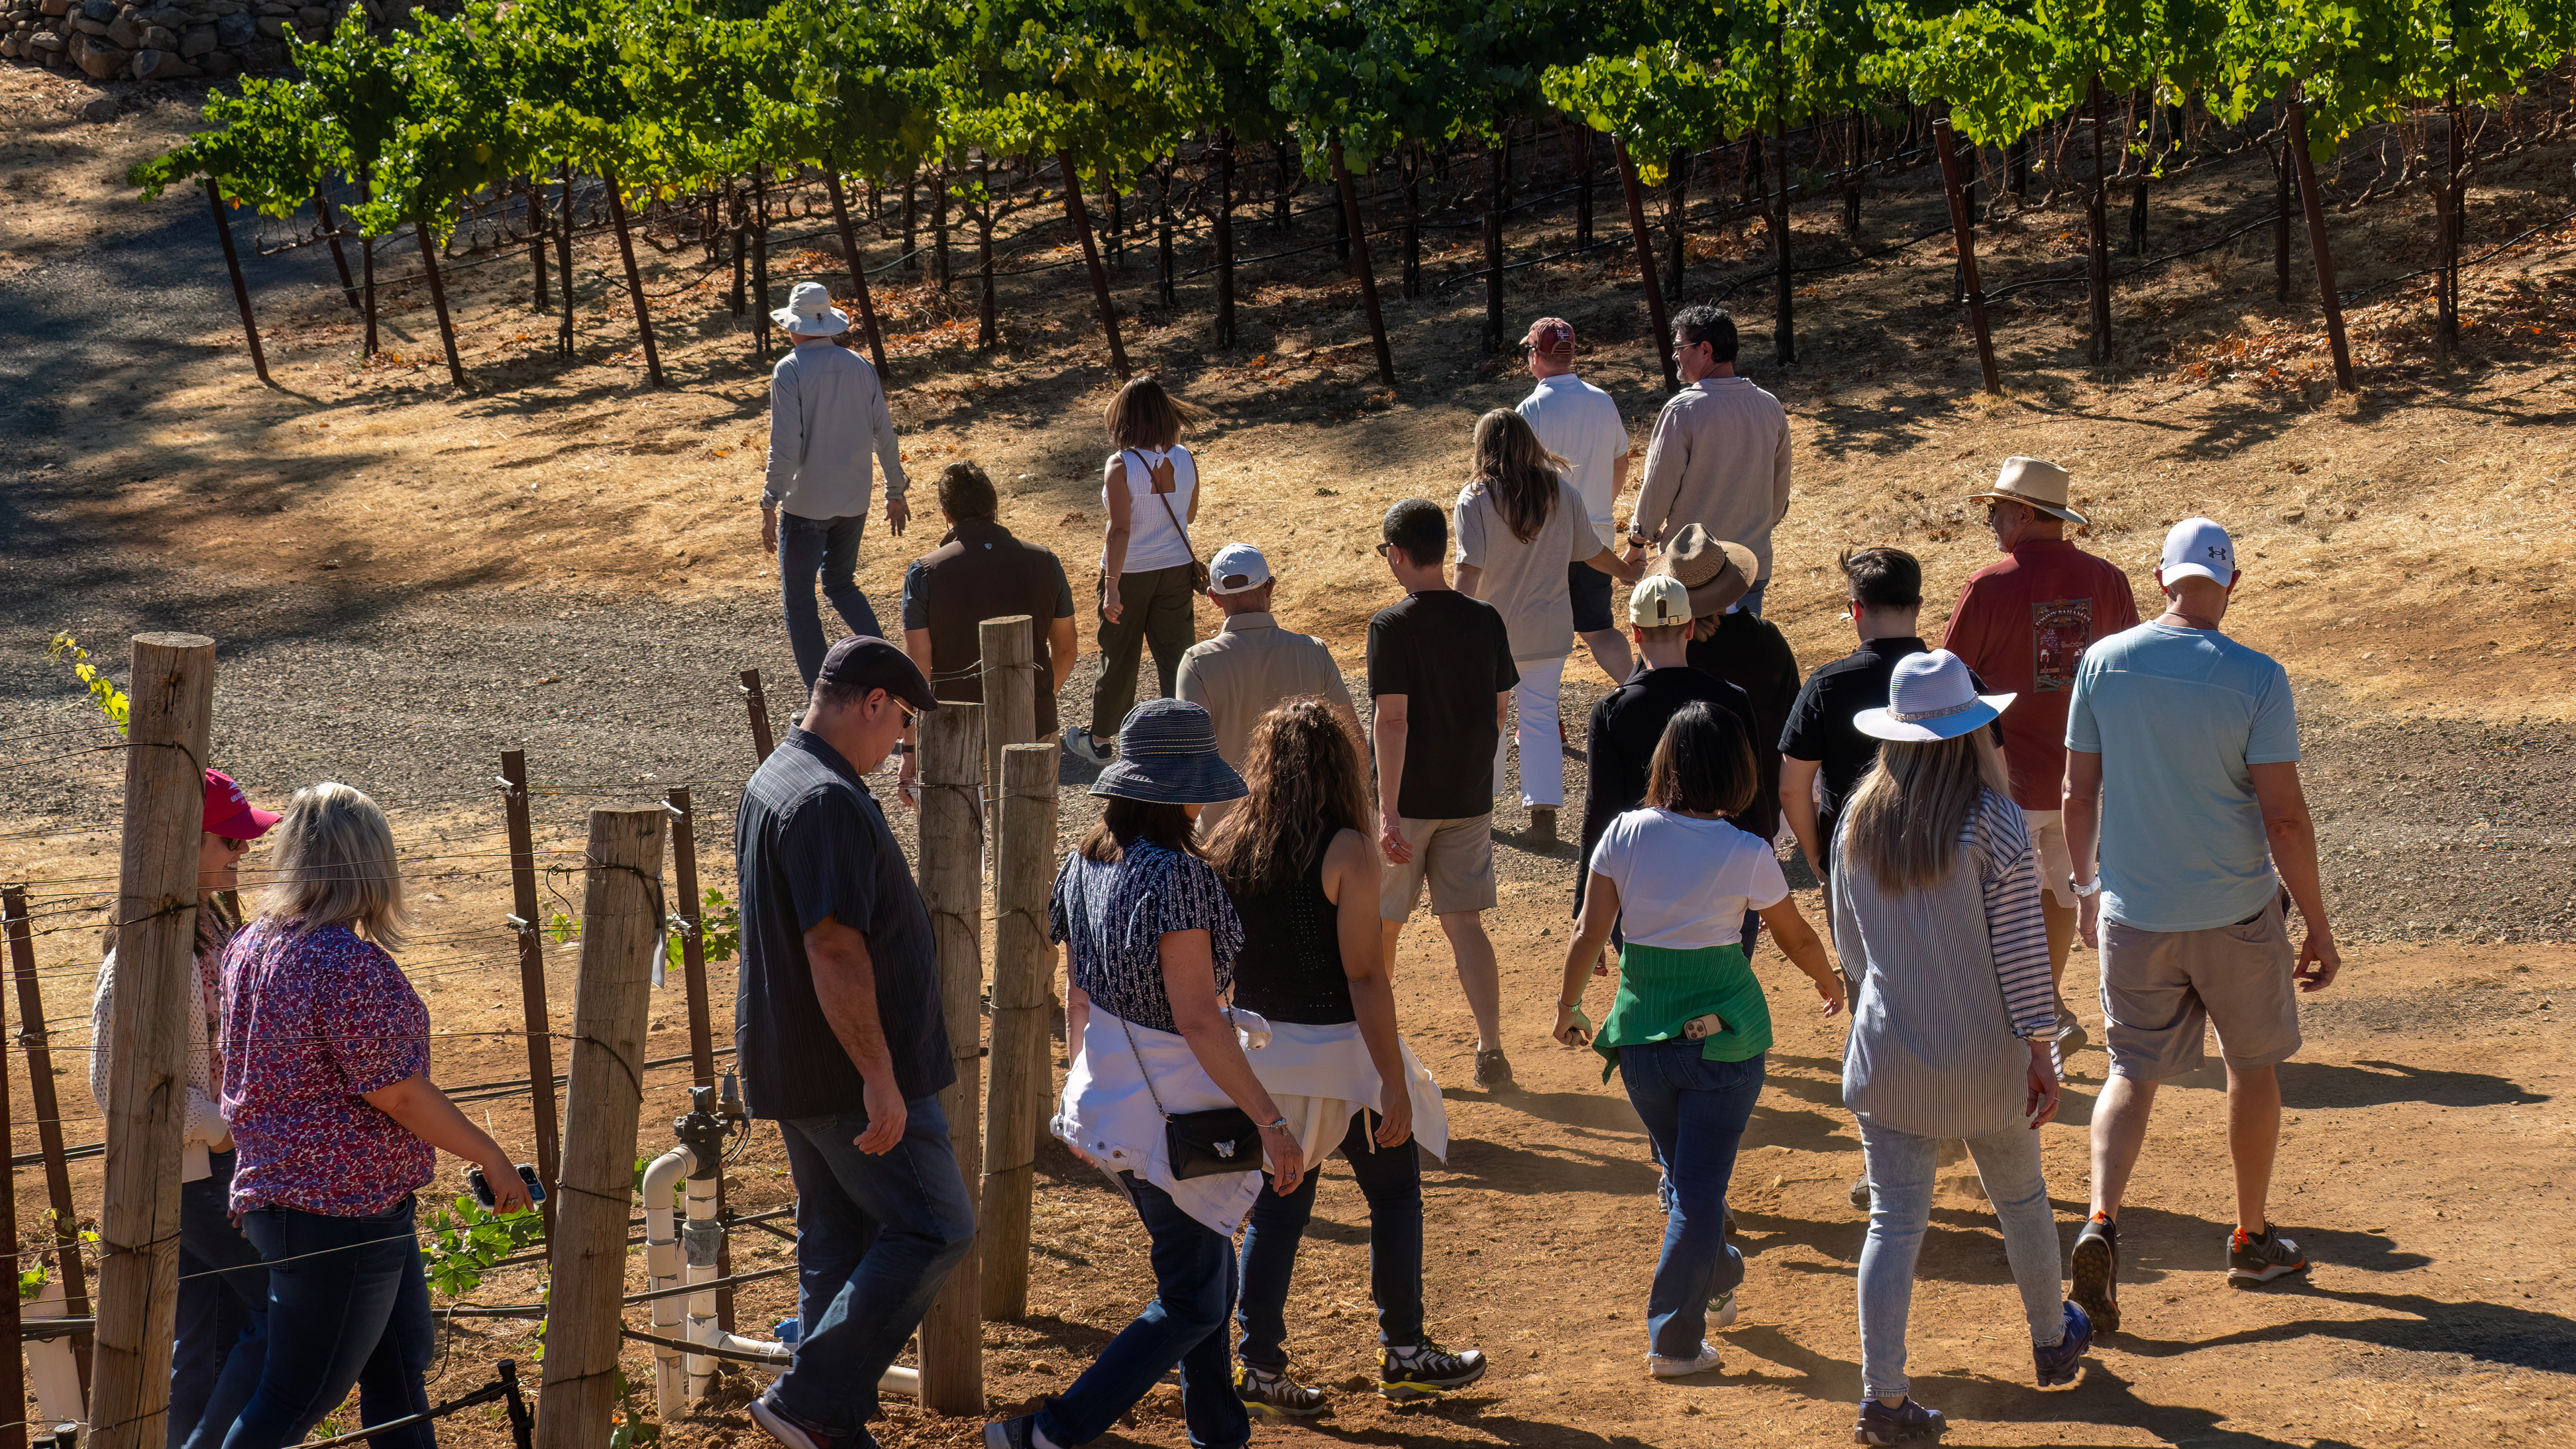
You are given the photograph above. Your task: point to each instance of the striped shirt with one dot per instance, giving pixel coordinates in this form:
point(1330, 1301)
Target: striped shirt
point(1950, 980)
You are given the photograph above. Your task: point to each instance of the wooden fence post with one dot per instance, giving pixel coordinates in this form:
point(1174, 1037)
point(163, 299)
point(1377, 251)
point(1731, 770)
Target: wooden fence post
point(1008, 650)
point(1965, 232)
point(952, 1334)
point(49, 1123)
point(858, 271)
point(173, 696)
point(428, 244)
point(758, 703)
point(1646, 263)
point(1023, 872)
point(1361, 265)
point(621, 918)
point(241, 289)
point(2327, 296)
point(534, 1015)
point(634, 278)
point(1081, 220)
point(693, 978)
point(340, 259)
point(13, 1363)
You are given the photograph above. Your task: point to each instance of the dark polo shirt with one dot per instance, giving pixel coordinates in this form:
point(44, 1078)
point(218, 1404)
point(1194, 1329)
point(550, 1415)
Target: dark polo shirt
point(978, 572)
point(811, 842)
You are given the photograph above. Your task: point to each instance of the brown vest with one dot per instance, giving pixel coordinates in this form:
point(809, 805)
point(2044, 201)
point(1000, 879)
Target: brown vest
point(980, 572)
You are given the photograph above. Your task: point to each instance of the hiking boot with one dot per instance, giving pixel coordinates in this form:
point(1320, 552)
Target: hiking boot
point(2255, 1259)
point(1880, 1424)
point(1542, 825)
point(1425, 1370)
point(1493, 1071)
point(1665, 1367)
point(2057, 1363)
point(2096, 1271)
point(1264, 1392)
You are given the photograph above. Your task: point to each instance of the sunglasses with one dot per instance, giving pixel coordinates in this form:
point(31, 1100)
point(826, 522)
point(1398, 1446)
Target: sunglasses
point(235, 846)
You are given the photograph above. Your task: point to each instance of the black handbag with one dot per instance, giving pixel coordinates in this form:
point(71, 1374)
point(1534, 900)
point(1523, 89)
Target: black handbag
point(1201, 1144)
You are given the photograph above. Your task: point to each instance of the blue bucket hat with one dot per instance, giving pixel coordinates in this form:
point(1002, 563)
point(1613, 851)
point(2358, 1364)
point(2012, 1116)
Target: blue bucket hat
point(1167, 756)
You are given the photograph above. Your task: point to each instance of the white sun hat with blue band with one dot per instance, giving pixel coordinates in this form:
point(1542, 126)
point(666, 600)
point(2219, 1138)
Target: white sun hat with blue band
point(1931, 697)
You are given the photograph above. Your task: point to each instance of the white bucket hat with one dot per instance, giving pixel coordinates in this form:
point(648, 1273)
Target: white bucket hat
point(809, 312)
point(1931, 697)
point(2033, 483)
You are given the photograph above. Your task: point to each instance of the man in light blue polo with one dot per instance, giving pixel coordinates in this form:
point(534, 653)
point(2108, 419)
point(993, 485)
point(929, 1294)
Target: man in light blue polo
point(2182, 755)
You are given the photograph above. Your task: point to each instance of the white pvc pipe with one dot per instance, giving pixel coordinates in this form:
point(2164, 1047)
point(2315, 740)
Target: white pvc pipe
point(702, 1269)
point(662, 1270)
point(52, 1375)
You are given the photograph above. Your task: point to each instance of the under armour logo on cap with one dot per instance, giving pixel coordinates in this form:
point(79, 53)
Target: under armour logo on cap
point(2199, 546)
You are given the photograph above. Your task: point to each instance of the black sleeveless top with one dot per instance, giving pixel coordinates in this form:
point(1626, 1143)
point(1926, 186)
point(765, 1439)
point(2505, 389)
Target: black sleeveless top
point(1291, 965)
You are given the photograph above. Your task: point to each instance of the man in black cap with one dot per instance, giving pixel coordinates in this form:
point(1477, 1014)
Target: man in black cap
point(840, 1040)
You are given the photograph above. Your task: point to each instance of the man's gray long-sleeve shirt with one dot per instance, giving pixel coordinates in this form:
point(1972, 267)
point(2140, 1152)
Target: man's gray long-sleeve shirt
point(827, 413)
point(1719, 457)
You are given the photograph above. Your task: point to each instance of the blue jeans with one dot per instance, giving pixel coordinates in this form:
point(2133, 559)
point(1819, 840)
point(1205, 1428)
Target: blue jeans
point(875, 1236)
point(829, 546)
point(1391, 1179)
point(1751, 603)
point(347, 1304)
point(1694, 1111)
point(222, 1337)
point(1902, 1168)
point(1184, 1325)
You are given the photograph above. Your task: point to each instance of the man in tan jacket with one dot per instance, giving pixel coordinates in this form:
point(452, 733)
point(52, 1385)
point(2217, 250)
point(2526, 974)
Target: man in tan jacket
point(1719, 456)
point(1252, 664)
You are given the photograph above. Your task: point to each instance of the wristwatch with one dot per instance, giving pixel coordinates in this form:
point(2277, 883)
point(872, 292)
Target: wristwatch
point(2081, 889)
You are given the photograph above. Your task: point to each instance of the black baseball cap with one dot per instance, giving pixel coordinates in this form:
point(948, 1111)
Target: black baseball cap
point(864, 661)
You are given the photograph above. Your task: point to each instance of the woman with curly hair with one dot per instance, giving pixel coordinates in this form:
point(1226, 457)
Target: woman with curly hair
point(1298, 860)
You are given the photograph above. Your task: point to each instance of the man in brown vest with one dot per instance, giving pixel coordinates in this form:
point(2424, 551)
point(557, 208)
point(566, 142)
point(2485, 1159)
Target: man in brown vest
point(979, 572)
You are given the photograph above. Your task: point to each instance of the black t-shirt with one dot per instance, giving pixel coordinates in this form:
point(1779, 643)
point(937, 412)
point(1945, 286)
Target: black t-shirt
point(811, 842)
point(1747, 650)
point(1448, 655)
point(1619, 751)
point(1820, 723)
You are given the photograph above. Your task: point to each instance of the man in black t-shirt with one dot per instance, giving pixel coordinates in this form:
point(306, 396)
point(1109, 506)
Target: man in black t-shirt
point(1440, 675)
point(840, 1039)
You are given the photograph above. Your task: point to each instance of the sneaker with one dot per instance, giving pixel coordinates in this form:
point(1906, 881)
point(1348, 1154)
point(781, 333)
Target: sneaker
point(793, 1432)
point(2070, 1033)
point(1264, 1392)
point(1880, 1424)
point(1424, 1371)
point(1542, 825)
point(1722, 1312)
point(2096, 1271)
point(1664, 1366)
point(1019, 1433)
point(2252, 1260)
point(1859, 1193)
point(2058, 1362)
point(1078, 743)
point(1493, 1071)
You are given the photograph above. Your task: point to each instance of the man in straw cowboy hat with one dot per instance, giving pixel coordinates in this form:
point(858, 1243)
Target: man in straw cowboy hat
point(1740, 647)
point(827, 417)
point(2023, 625)
point(2182, 748)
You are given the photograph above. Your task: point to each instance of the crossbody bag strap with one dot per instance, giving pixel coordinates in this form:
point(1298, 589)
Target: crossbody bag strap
point(1184, 529)
point(1140, 1062)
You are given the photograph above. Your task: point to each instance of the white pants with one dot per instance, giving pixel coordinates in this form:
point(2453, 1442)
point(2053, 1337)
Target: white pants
point(1542, 747)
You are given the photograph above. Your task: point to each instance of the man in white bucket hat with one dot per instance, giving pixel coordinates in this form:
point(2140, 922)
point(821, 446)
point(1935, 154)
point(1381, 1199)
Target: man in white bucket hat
point(2183, 749)
point(2023, 625)
point(827, 417)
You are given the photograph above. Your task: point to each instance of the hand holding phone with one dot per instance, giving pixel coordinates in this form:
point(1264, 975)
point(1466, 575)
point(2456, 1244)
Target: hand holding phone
point(527, 1194)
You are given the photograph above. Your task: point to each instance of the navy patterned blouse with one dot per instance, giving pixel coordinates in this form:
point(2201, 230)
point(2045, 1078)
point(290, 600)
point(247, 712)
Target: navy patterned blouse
point(1112, 919)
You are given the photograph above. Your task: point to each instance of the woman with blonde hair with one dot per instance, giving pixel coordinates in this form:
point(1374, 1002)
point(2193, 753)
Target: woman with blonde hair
point(1519, 523)
point(1150, 574)
point(1936, 916)
point(1299, 860)
point(336, 1125)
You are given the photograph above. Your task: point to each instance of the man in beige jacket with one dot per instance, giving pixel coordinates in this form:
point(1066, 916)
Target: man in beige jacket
point(1719, 456)
point(1252, 664)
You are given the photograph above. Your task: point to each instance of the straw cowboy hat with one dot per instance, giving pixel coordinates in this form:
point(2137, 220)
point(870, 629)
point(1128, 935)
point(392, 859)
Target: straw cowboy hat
point(1931, 697)
point(809, 312)
point(2034, 483)
point(1716, 572)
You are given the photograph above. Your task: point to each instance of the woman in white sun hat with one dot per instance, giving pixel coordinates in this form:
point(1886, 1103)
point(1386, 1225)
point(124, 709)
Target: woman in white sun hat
point(1936, 918)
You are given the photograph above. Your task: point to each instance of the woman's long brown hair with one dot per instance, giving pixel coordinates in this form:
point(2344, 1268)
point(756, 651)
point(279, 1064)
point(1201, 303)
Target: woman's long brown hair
point(1306, 782)
point(1521, 474)
point(1905, 818)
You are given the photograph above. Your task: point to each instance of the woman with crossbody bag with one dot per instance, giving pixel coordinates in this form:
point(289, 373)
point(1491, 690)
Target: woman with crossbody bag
point(1150, 574)
point(1160, 1095)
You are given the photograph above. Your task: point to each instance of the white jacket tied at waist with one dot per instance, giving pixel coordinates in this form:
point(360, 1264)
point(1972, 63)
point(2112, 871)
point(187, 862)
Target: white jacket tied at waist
point(1319, 1075)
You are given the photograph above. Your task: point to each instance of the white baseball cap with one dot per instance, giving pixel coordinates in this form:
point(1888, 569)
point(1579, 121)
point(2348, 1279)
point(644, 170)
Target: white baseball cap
point(1658, 601)
point(2198, 546)
point(1238, 568)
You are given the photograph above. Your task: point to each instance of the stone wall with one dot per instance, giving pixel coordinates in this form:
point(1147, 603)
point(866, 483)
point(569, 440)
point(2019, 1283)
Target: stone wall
point(174, 39)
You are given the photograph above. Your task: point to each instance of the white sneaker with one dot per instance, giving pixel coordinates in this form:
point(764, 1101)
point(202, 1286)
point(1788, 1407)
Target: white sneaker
point(1724, 1312)
point(1077, 743)
point(1677, 1368)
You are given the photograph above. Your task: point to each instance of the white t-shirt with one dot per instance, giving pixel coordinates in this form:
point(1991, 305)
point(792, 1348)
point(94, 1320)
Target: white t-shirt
point(1580, 423)
point(1685, 884)
point(1154, 539)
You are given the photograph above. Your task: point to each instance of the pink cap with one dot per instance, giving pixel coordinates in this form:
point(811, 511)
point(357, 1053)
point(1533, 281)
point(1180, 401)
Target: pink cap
point(228, 810)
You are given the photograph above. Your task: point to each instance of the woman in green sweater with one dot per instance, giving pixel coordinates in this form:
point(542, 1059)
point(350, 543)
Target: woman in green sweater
point(1689, 1025)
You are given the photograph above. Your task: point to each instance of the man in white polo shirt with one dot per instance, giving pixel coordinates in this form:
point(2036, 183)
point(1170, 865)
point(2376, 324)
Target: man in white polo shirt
point(1580, 423)
point(1252, 664)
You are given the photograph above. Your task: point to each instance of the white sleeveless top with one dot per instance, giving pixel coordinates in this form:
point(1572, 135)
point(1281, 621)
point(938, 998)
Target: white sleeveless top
point(1153, 539)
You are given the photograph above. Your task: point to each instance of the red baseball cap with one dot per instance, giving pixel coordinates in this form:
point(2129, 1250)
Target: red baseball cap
point(228, 810)
point(1550, 334)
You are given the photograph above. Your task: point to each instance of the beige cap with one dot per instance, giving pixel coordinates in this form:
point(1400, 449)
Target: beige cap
point(1659, 601)
point(2036, 483)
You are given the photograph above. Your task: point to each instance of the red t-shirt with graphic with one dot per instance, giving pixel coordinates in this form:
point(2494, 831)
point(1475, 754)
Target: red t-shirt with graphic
point(2023, 625)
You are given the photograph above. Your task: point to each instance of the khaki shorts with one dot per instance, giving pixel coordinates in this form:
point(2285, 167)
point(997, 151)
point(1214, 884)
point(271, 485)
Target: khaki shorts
point(1455, 856)
point(2160, 988)
point(2056, 863)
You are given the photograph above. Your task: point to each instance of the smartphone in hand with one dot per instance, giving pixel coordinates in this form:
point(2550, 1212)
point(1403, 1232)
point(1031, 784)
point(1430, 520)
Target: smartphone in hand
point(483, 1188)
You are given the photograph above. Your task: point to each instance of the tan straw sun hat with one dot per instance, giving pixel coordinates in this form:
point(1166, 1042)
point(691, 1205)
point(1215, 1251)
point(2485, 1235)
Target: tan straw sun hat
point(2035, 483)
point(1716, 572)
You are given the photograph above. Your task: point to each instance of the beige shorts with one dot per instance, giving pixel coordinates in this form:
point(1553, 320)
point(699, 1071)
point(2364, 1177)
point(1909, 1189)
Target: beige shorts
point(1455, 856)
point(2056, 863)
point(2161, 988)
